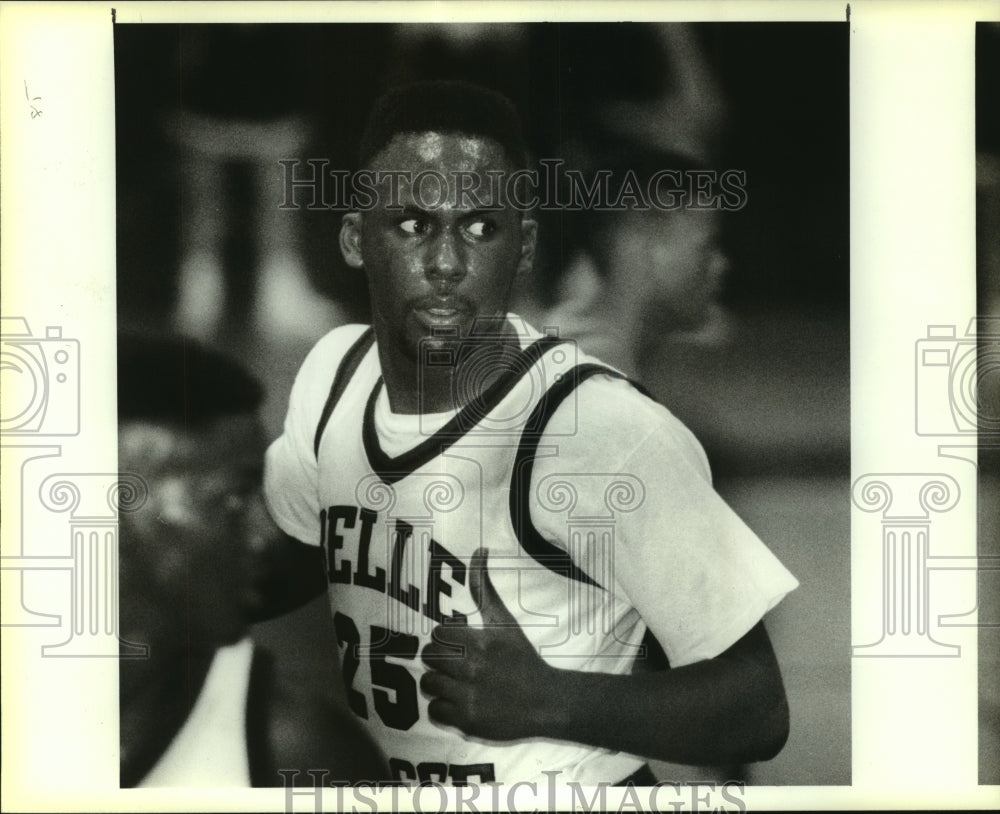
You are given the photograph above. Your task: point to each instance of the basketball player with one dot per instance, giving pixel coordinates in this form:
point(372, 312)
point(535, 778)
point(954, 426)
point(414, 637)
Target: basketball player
point(205, 707)
point(502, 519)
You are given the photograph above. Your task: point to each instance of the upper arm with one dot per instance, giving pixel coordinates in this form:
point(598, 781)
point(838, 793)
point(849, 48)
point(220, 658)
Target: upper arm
point(295, 574)
point(291, 470)
point(755, 648)
point(698, 575)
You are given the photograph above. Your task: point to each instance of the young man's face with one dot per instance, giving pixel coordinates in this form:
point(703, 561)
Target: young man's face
point(194, 553)
point(448, 253)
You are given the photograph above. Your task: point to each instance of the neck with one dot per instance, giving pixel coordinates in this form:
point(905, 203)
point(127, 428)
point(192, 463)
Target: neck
point(415, 387)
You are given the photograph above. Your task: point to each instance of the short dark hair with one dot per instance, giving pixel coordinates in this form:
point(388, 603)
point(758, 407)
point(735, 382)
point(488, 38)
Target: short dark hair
point(446, 106)
point(180, 382)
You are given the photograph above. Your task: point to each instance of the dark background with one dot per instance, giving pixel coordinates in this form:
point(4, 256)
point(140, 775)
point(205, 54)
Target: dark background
point(785, 86)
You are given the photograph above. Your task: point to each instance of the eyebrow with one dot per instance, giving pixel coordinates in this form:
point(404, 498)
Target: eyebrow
point(410, 210)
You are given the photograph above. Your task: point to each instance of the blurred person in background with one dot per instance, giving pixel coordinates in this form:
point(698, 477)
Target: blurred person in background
point(621, 282)
point(199, 561)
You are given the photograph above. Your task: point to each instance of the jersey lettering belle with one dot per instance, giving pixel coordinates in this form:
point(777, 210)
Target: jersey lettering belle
point(594, 502)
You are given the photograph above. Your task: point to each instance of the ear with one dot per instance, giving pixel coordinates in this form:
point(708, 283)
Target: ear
point(350, 240)
point(529, 234)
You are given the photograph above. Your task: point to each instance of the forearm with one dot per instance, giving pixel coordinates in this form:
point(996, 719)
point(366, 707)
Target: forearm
point(728, 709)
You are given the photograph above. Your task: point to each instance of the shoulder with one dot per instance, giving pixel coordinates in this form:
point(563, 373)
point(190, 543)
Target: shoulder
point(609, 419)
point(327, 353)
point(317, 371)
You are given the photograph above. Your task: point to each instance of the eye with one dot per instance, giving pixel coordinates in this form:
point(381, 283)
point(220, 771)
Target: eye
point(413, 226)
point(480, 228)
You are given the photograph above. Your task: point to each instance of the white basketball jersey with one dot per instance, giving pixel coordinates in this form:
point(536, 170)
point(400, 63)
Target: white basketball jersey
point(401, 503)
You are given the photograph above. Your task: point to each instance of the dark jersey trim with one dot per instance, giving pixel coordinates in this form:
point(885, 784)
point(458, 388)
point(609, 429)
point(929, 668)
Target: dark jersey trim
point(345, 371)
point(391, 469)
point(540, 549)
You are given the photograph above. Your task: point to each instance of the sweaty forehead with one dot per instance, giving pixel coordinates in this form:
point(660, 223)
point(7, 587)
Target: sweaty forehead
point(432, 149)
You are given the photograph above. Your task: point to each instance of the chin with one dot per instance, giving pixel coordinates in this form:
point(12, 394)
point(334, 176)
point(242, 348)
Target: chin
point(420, 338)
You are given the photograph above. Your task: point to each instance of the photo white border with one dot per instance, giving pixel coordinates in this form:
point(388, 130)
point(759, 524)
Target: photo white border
point(912, 265)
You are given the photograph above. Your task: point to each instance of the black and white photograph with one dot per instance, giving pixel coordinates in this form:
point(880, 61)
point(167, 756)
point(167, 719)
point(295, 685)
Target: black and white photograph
point(660, 229)
point(462, 407)
point(985, 399)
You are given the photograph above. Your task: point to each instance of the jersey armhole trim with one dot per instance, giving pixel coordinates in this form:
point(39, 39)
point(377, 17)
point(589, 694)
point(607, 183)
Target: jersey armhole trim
point(345, 371)
point(531, 540)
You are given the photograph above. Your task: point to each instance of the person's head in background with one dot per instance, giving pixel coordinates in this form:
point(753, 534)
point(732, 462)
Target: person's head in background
point(193, 553)
point(641, 99)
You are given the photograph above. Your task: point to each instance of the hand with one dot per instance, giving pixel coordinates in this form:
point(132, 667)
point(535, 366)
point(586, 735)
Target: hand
point(489, 682)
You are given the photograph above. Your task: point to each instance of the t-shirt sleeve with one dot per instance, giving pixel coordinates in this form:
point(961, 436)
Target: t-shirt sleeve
point(698, 576)
point(291, 471)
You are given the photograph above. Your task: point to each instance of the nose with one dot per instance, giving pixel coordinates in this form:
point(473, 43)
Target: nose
point(445, 263)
